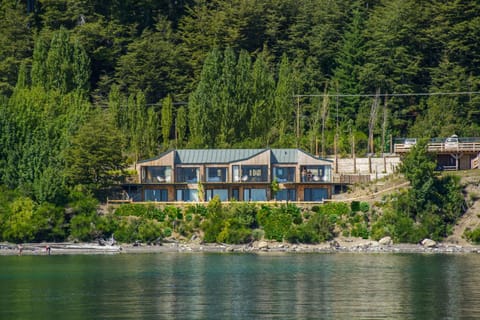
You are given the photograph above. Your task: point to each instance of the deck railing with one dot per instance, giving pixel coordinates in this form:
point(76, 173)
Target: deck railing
point(441, 147)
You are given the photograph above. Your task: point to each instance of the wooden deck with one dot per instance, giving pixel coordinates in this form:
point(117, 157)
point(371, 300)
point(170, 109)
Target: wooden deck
point(440, 147)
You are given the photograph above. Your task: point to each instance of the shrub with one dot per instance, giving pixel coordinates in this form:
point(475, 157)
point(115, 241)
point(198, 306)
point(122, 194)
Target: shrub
point(360, 230)
point(82, 227)
point(398, 226)
point(149, 230)
point(258, 234)
point(338, 208)
point(364, 207)
point(276, 223)
point(137, 210)
point(167, 232)
point(473, 235)
point(127, 230)
point(355, 206)
point(234, 232)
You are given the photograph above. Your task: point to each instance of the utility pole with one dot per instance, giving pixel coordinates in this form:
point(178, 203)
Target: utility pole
point(324, 118)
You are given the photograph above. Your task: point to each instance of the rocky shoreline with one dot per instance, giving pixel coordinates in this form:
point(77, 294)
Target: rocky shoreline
point(339, 245)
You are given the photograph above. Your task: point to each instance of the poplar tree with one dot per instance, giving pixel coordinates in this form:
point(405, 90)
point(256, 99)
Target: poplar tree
point(167, 119)
point(227, 105)
point(263, 86)
point(204, 112)
point(284, 103)
point(243, 96)
point(180, 126)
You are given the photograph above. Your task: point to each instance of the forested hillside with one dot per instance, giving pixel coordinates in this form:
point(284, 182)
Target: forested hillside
point(88, 86)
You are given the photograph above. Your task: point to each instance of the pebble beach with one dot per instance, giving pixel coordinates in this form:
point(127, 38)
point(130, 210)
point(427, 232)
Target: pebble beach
point(339, 245)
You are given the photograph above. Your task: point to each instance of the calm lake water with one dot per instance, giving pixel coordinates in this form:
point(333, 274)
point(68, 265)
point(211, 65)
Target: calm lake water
point(240, 286)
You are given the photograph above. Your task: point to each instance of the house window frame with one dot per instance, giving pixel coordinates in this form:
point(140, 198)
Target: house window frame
point(156, 174)
point(254, 173)
point(290, 174)
point(221, 173)
point(182, 176)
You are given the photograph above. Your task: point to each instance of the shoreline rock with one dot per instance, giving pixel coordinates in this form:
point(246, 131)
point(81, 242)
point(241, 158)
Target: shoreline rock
point(257, 247)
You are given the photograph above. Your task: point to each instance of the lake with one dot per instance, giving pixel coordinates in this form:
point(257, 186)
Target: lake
point(240, 286)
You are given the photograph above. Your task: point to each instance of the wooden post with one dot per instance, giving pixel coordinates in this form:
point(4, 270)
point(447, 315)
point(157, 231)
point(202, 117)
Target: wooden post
point(353, 155)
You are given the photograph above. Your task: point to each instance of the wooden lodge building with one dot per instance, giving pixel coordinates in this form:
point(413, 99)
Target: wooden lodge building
point(452, 153)
point(232, 174)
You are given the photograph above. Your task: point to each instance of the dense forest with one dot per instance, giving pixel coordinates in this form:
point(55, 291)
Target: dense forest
point(88, 87)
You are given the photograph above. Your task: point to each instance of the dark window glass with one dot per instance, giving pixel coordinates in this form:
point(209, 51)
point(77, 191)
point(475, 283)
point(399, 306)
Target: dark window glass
point(254, 174)
point(156, 195)
point(315, 194)
point(189, 175)
point(286, 195)
point(284, 174)
point(216, 174)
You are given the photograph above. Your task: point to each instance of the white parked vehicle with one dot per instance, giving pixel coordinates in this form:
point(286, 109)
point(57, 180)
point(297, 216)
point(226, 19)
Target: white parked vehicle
point(410, 142)
point(451, 142)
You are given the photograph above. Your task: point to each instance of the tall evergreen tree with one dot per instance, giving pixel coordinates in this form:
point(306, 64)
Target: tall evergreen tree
point(154, 64)
point(15, 42)
point(393, 61)
point(95, 153)
point(349, 61)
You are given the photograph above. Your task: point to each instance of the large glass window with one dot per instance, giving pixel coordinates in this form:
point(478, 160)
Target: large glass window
point(189, 175)
point(315, 194)
point(284, 174)
point(236, 173)
point(157, 174)
point(255, 194)
point(187, 195)
point(254, 174)
point(221, 193)
point(156, 195)
point(315, 173)
point(216, 174)
point(236, 194)
point(286, 195)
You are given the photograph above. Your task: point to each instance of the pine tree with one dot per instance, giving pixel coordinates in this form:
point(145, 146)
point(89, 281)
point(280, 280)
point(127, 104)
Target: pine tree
point(15, 42)
point(349, 62)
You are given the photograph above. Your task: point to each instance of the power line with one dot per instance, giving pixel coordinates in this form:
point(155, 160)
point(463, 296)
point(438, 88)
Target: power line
point(390, 94)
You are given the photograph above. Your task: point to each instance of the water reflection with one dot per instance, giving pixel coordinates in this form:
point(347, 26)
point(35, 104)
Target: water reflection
point(231, 286)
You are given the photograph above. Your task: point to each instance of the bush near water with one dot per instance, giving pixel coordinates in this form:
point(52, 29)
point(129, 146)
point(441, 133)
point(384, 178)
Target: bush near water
point(233, 223)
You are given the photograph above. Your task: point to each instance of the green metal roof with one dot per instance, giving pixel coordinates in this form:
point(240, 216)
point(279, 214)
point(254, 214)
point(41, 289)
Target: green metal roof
point(223, 156)
point(284, 155)
point(199, 156)
point(195, 156)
